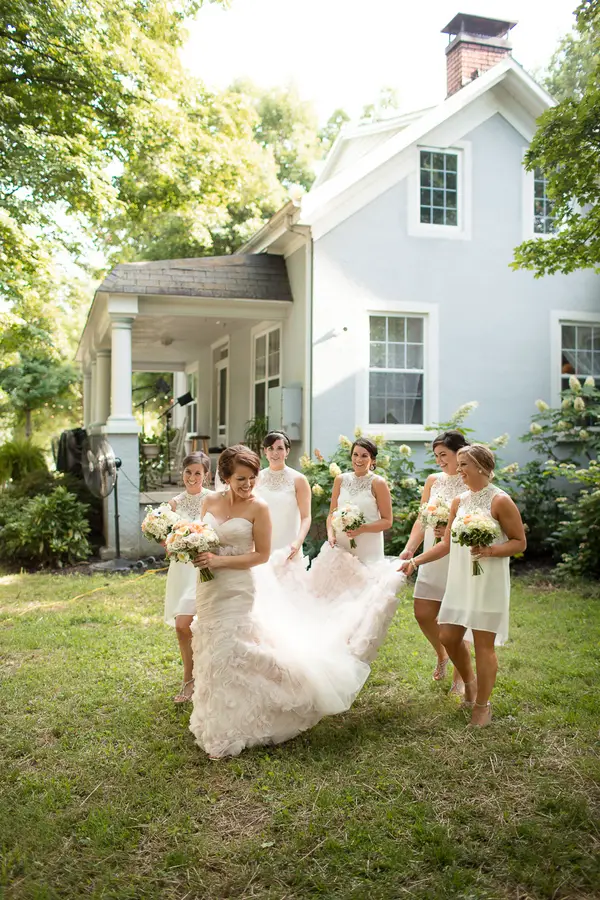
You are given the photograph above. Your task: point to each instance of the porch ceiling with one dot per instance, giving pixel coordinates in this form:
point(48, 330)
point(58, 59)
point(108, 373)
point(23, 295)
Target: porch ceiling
point(257, 277)
point(173, 341)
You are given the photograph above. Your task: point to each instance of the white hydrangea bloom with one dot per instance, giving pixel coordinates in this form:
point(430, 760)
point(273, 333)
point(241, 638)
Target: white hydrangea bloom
point(535, 428)
point(574, 383)
point(590, 381)
point(579, 404)
point(405, 450)
point(334, 470)
point(317, 490)
point(542, 405)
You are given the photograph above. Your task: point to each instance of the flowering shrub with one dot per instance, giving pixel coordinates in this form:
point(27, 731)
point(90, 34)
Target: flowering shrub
point(394, 463)
point(570, 431)
point(578, 532)
point(50, 529)
point(534, 491)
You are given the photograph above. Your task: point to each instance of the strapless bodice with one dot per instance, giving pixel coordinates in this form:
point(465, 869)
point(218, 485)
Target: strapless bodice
point(233, 533)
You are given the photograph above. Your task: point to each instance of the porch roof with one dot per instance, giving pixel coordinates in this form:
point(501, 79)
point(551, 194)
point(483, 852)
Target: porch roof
point(256, 277)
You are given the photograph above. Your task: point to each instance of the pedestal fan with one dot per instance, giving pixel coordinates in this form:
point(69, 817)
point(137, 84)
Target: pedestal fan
point(100, 469)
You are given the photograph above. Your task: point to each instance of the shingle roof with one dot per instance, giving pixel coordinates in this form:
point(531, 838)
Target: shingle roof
point(257, 277)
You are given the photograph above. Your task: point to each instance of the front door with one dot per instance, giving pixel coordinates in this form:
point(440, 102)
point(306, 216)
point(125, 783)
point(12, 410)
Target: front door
point(222, 378)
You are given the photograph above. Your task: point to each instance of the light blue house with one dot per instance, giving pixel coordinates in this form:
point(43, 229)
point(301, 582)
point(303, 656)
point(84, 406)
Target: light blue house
point(384, 298)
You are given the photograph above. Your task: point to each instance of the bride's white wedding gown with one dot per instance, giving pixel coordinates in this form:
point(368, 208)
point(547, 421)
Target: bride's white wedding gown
point(357, 587)
point(264, 669)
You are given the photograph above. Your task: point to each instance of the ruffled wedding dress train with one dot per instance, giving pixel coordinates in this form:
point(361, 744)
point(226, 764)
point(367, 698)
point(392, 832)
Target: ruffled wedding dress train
point(264, 669)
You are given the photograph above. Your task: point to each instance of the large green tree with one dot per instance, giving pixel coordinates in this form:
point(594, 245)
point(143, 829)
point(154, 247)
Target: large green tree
point(38, 382)
point(566, 147)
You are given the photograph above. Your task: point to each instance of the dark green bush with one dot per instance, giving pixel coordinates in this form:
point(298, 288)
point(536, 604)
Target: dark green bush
point(47, 530)
point(18, 459)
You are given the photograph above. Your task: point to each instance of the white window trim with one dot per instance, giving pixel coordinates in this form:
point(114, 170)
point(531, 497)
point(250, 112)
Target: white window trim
point(430, 314)
point(193, 370)
point(256, 332)
point(214, 346)
point(460, 232)
point(558, 318)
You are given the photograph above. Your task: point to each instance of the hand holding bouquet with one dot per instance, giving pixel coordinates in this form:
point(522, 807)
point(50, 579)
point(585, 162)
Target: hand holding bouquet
point(158, 522)
point(475, 530)
point(188, 540)
point(347, 518)
point(433, 514)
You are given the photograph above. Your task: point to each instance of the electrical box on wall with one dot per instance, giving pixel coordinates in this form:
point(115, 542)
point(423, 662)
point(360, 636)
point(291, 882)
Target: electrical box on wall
point(285, 411)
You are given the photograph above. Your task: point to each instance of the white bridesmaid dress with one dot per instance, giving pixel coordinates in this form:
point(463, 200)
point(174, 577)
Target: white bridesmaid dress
point(480, 602)
point(278, 490)
point(180, 592)
point(357, 587)
point(432, 576)
point(264, 669)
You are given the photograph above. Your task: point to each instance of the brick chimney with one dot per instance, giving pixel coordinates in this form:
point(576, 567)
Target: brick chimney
point(476, 44)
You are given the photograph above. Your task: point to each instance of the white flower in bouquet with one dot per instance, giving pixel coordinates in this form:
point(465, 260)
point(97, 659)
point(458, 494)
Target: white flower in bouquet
point(158, 522)
point(579, 404)
point(574, 383)
point(475, 530)
point(433, 514)
point(347, 518)
point(535, 428)
point(542, 405)
point(188, 540)
point(334, 470)
point(590, 381)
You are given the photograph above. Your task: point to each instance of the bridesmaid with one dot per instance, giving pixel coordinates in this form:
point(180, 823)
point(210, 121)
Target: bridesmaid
point(356, 587)
point(287, 494)
point(479, 602)
point(431, 582)
point(180, 595)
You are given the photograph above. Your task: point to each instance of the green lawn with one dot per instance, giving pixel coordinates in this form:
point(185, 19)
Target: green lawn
point(103, 793)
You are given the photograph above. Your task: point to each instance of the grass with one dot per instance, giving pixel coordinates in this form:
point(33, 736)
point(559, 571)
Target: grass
point(103, 793)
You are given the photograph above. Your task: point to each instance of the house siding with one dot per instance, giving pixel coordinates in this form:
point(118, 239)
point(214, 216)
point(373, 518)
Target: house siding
point(494, 323)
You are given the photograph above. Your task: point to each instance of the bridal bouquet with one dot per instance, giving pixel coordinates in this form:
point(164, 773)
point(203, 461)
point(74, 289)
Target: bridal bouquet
point(188, 540)
point(158, 522)
point(433, 514)
point(347, 518)
point(475, 530)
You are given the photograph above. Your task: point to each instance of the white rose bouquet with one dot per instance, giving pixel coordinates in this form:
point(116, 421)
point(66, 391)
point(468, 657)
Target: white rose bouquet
point(347, 518)
point(158, 522)
point(475, 530)
point(433, 514)
point(188, 540)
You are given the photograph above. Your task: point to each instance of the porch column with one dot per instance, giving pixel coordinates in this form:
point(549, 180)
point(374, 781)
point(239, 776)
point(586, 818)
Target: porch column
point(121, 403)
point(87, 397)
point(93, 388)
point(102, 386)
point(179, 388)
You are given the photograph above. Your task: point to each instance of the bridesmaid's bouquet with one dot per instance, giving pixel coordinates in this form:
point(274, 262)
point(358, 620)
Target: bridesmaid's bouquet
point(433, 514)
point(347, 518)
point(475, 530)
point(188, 540)
point(158, 522)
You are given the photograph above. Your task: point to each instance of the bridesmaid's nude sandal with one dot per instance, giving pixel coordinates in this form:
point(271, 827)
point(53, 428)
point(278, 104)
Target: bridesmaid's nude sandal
point(439, 673)
point(488, 716)
point(458, 688)
point(184, 696)
point(468, 704)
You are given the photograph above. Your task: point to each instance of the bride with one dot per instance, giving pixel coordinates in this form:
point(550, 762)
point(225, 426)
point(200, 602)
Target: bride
point(264, 672)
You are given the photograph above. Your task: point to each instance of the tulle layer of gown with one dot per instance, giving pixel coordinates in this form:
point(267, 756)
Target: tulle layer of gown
point(264, 669)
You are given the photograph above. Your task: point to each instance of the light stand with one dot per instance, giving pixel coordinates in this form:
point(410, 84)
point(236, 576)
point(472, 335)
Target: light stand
point(181, 401)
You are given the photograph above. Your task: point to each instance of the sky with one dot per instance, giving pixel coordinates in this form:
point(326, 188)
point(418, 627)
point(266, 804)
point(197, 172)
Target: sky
point(340, 53)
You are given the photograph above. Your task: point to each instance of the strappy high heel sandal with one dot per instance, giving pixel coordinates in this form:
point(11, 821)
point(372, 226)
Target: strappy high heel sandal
point(439, 673)
point(488, 717)
point(464, 703)
point(184, 696)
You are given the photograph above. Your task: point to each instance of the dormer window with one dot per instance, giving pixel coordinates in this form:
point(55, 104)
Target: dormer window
point(439, 188)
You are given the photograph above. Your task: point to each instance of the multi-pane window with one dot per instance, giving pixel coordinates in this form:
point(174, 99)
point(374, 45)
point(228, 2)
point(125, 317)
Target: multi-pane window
point(580, 353)
point(396, 370)
point(439, 188)
point(543, 208)
point(267, 368)
point(192, 408)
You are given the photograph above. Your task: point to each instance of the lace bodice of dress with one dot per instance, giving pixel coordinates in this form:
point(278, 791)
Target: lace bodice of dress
point(359, 492)
point(234, 534)
point(282, 481)
point(480, 501)
point(189, 506)
point(447, 487)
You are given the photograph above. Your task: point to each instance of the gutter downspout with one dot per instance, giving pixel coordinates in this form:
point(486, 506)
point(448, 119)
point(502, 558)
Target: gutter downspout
point(305, 232)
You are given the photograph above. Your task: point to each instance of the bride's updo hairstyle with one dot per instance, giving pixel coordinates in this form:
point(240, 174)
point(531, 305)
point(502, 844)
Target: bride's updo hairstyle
point(482, 456)
point(453, 440)
point(273, 436)
point(367, 445)
point(238, 455)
